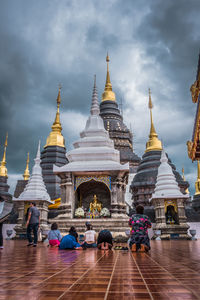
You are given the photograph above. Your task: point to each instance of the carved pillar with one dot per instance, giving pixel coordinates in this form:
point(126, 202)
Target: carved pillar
point(67, 195)
point(114, 203)
point(181, 211)
point(121, 195)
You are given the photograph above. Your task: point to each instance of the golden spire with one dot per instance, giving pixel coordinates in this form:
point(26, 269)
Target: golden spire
point(26, 172)
point(183, 176)
point(153, 143)
point(3, 169)
point(55, 137)
point(197, 183)
point(108, 94)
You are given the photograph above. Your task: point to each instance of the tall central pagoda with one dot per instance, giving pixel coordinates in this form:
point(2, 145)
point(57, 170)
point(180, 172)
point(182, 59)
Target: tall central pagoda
point(113, 123)
point(94, 172)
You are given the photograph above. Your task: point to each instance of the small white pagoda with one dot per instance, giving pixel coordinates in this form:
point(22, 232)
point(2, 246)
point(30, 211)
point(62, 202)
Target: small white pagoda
point(169, 203)
point(93, 172)
point(35, 191)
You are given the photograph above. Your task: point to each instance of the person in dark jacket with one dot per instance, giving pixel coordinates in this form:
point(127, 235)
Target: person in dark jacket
point(104, 240)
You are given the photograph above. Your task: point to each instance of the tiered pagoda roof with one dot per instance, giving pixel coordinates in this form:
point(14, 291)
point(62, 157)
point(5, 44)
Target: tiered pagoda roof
point(113, 123)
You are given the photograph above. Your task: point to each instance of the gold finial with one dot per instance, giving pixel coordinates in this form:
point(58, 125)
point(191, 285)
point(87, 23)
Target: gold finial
point(55, 137)
point(26, 172)
point(108, 93)
point(183, 176)
point(153, 143)
point(197, 183)
point(3, 169)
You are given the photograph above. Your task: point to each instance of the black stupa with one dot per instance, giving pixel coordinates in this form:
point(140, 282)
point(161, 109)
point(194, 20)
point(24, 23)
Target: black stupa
point(113, 122)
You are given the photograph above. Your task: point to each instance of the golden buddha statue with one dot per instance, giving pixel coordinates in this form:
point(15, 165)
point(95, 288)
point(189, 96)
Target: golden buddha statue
point(95, 206)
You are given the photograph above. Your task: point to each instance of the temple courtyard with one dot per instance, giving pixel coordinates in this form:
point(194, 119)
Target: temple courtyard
point(171, 270)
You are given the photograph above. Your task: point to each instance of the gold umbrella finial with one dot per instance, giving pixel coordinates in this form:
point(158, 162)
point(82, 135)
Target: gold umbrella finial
point(26, 172)
point(108, 93)
point(3, 169)
point(153, 143)
point(55, 137)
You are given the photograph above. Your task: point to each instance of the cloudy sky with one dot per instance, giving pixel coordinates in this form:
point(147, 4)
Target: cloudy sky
point(152, 43)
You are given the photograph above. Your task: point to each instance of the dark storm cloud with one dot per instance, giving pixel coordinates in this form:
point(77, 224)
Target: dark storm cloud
point(45, 43)
point(170, 32)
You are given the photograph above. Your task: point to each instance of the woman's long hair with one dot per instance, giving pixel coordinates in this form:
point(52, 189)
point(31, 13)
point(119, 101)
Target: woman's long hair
point(73, 232)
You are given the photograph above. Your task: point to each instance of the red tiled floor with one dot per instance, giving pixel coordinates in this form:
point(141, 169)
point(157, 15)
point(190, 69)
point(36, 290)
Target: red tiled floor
point(170, 271)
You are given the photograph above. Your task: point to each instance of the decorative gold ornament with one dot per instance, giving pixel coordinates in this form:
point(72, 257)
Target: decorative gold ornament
point(55, 137)
point(56, 203)
point(195, 91)
point(183, 176)
point(153, 143)
point(197, 183)
point(26, 172)
point(190, 148)
point(108, 94)
point(3, 169)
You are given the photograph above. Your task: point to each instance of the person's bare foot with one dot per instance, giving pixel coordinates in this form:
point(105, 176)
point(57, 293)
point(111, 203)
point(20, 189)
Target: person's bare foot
point(106, 246)
point(143, 248)
point(134, 248)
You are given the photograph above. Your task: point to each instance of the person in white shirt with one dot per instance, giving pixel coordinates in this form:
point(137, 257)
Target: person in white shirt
point(90, 237)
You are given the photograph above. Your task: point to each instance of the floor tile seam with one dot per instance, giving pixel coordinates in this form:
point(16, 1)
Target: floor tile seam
point(18, 277)
point(142, 277)
point(80, 278)
point(56, 273)
point(189, 269)
point(109, 283)
point(182, 284)
point(182, 264)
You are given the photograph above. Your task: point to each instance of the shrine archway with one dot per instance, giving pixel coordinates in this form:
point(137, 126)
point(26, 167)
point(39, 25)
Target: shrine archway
point(85, 192)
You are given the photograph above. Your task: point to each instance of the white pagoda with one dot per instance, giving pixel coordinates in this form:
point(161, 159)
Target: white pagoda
point(35, 191)
point(169, 203)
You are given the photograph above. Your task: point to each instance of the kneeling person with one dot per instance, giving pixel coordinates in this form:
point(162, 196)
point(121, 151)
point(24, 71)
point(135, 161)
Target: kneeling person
point(104, 240)
point(139, 239)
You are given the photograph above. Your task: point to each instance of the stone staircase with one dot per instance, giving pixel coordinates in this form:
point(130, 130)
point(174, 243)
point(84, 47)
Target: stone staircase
point(117, 226)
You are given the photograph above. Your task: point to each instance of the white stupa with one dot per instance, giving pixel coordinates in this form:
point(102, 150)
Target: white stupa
point(169, 204)
point(35, 189)
point(94, 151)
point(166, 185)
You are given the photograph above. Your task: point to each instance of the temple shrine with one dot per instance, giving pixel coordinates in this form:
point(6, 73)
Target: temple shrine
point(93, 181)
point(169, 203)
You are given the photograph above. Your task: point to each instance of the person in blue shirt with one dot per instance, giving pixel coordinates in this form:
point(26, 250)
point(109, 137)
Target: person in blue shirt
point(70, 241)
point(54, 235)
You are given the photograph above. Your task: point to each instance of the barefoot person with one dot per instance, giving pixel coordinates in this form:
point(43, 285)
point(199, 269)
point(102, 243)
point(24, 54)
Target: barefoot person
point(32, 224)
point(139, 223)
point(104, 240)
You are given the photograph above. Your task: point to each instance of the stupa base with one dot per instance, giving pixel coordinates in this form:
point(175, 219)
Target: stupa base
point(172, 231)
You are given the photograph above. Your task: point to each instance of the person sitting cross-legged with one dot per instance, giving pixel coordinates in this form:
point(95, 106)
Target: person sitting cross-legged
point(90, 237)
point(139, 239)
point(54, 235)
point(70, 241)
